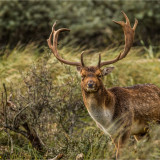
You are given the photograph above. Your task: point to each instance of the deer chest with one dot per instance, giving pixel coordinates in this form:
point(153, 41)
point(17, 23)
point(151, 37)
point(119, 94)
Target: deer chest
point(103, 117)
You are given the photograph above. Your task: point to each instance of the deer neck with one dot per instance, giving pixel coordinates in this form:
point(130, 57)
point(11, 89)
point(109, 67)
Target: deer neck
point(102, 99)
point(100, 106)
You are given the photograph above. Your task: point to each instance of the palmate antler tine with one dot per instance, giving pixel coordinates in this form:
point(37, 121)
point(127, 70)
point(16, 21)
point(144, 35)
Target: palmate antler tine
point(53, 47)
point(122, 23)
point(129, 38)
point(127, 19)
point(135, 24)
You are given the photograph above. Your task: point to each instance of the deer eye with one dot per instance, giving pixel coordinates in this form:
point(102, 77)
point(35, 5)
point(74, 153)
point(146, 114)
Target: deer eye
point(83, 76)
point(99, 76)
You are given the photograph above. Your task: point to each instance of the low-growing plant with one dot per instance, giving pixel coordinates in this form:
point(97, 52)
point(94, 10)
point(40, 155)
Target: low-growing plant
point(42, 111)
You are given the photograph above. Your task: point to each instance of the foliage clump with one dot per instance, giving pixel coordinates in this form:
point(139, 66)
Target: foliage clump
point(26, 21)
point(47, 115)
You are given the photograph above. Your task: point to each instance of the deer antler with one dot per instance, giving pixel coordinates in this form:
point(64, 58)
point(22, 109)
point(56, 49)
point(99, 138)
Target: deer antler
point(53, 47)
point(129, 37)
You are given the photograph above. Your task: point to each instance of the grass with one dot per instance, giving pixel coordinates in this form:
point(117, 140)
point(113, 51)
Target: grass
point(138, 67)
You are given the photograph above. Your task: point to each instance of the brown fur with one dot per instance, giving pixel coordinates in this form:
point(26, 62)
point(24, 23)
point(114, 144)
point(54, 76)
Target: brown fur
point(127, 109)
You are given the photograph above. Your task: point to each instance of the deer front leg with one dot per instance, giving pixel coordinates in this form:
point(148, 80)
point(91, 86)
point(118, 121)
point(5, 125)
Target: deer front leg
point(120, 142)
point(142, 135)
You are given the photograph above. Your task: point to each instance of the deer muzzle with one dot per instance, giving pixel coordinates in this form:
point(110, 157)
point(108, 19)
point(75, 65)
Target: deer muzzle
point(91, 86)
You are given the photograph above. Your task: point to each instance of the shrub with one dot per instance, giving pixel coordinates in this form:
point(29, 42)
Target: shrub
point(90, 21)
point(23, 21)
point(43, 112)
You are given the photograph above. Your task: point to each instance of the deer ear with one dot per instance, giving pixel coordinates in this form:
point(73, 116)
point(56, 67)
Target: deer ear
point(107, 70)
point(78, 68)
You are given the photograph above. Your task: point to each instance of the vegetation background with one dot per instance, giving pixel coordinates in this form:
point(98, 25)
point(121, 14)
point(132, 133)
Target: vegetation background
point(42, 114)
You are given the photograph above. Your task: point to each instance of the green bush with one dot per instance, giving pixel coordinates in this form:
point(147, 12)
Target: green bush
point(90, 21)
point(23, 21)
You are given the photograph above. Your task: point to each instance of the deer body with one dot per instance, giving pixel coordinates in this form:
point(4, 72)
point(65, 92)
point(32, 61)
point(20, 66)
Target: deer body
point(119, 111)
point(141, 102)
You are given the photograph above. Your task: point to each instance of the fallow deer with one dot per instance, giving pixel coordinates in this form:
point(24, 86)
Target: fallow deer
point(127, 109)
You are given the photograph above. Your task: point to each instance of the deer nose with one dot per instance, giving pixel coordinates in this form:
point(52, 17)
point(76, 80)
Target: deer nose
point(90, 84)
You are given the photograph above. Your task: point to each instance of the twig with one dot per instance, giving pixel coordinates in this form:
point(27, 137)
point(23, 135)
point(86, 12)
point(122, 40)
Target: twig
point(19, 114)
point(39, 138)
point(5, 116)
point(11, 140)
point(5, 104)
point(17, 131)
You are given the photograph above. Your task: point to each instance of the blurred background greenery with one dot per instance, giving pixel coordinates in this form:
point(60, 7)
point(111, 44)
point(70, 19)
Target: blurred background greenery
point(90, 21)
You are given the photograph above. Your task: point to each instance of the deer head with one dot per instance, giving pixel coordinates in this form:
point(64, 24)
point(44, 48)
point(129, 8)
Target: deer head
point(91, 76)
